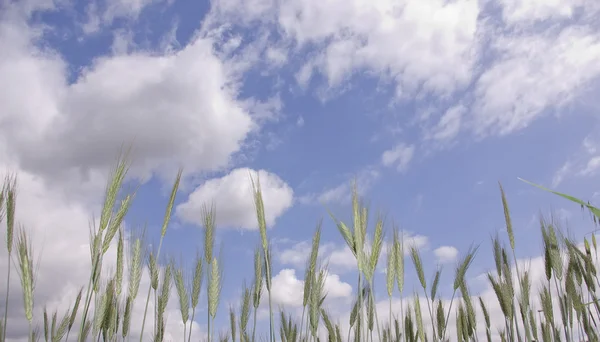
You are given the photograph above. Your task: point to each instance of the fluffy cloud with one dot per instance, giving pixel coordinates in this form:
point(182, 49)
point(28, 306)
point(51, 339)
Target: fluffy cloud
point(516, 12)
point(534, 72)
point(60, 133)
point(515, 63)
point(70, 131)
point(446, 254)
point(288, 290)
point(428, 44)
point(234, 200)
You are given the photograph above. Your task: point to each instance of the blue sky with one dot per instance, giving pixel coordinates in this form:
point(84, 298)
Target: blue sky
point(427, 104)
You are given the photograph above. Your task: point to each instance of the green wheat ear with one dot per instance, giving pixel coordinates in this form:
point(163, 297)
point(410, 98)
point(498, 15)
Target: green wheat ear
point(416, 258)
point(507, 218)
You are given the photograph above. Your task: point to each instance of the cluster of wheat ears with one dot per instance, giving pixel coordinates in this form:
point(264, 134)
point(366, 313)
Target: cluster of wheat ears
point(570, 273)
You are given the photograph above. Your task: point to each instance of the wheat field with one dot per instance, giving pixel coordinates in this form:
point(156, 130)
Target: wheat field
point(563, 307)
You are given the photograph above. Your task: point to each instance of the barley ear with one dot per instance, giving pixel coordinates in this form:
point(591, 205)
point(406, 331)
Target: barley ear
point(509, 227)
point(209, 219)
point(46, 325)
point(419, 318)
point(197, 281)
point(390, 271)
point(245, 310)
point(260, 210)
point(135, 268)
point(169, 209)
point(126, 317)
point(182, 294)
point(10, 192)
point(75, 308)
point(26, 268)
point(399, 261)
point(375, 249)
point(120, 263)
point(232, 323)
point(116, 177)
point(435, 284)
point(416, 258)
point(258, 278)
point(214, 288)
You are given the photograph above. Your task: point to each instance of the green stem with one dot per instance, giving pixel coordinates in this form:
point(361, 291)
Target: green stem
point(191, 322)
point(372, 293)
point(302, 318)
point(448, 316)
point(6, 301)
point(150, 290)
point(88, 295)
point(254, 326)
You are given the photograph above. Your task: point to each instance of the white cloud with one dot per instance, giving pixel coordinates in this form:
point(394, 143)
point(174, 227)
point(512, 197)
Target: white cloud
point(538, 57)
point(342, 193)
point(561, 173)
point(234, 202)
point(100, 15)
point(399, 156)
point(413, 43)
point(288, 290)
point(584, 162)
point(61, 133)
point(446, 254)
point(56, 225)
point(448, 126)
point(533, 73)
point(519, 12)
point(591, 167)
point(421, 46)
point(186, 101)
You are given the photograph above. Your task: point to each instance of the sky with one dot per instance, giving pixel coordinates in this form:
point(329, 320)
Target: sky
point(426, 104)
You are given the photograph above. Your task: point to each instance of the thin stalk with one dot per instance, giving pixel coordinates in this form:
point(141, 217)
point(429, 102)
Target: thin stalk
point(6, 301)
point(88, 296)
point(375, 311)
point(149, 292)
point(448, 315)
point(254, 326)
point(162, 236)
point(191, 322)
point(302, 317)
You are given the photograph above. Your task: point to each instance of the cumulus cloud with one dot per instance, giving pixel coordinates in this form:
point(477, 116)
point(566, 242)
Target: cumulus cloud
point(60, 132)
point(446, 254)
point(288, 290)
point(233, 198)
point(178, 109)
